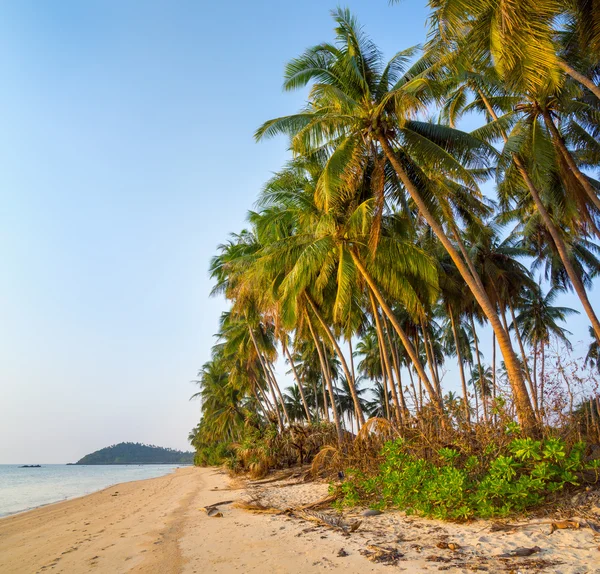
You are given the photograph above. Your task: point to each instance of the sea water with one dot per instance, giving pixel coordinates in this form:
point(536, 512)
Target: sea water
point(26, 488)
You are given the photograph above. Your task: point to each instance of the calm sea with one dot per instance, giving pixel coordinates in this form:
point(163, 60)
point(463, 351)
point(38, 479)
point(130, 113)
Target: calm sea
point(26, 488)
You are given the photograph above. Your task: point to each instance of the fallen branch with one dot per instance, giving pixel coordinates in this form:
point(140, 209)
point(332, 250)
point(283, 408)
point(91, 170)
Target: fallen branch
point(336, 522)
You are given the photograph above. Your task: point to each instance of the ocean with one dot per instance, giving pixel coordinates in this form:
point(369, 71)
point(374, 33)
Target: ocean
point(26, 488)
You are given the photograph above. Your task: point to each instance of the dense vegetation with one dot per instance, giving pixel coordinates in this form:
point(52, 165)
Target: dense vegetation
point(373, 262)
point(137, 453)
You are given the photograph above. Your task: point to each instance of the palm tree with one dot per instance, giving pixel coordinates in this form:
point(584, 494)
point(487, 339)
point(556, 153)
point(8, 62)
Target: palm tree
point(537, 321)
point(359, 108)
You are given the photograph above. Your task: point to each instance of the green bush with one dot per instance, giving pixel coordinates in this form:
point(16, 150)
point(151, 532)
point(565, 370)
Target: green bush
point(452, 486)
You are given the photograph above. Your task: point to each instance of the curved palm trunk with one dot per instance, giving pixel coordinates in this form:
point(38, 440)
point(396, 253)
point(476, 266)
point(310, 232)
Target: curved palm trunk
point(543, 375)
point(359, 414)
point(521, 398)
point(335, 390)
point(298, 382)
point(267, 377)
point(554, 233)
point(579, 77)
point(396, 366)
point(384, 356)
point(525, 361)
point(562, 250)
point(481, 384)
point(535, 377)
point(461, 366)
point(410, 351)
point(276, 386)
point(430, 357)
point(336, 417)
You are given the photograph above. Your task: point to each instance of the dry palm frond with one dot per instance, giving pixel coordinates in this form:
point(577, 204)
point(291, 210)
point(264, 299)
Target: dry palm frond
point(375, 427)
point(256, 507)
point(327, 458)
point(318, 503)
point(333, 521)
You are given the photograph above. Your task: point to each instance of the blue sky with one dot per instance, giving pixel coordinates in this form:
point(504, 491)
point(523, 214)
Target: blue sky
point(127, 156)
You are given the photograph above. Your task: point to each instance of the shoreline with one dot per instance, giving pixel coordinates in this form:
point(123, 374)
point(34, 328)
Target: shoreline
point(90, 492)
point(158, 525)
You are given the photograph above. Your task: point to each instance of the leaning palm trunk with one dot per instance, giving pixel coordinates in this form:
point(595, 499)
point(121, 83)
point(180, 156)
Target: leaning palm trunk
point(561, 248)
point(298, 381)
point(384, 357)
point(278, 390)
point(430, 356)
point(267, 378)
point(461, 366)
point(359, 414)
point(579, 77)
point(525, 361)
point(521, 397)
point(481, 383)
point(396, 366)
point(336, 417)
point(554, 233)
point(410, 351)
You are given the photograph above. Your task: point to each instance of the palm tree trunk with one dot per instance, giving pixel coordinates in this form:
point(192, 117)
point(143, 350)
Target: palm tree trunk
point(562, 250)
point(396, 367)
point(560, 144)
point(481, 383)
point(494, 366)
point(315, 390)
point(461, 366)
point(554, 233)
point(336, 417)
point(276, 386)
point(535, 375)
point(525, 361)
point(579, 77)
point(359, 414)
point(410, 351)
point(267, 378)
point(474, 393)
point(521, 398)
point(412, 384)
point(298, 382)
point(351, 358)
point(384, 357)
point(260, 400)
point(430, 357)
point(542, 378)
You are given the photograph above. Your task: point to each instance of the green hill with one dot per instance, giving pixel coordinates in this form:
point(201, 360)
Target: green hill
point(136, 453)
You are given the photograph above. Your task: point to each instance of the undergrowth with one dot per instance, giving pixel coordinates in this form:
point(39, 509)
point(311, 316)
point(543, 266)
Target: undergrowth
point(453, 485)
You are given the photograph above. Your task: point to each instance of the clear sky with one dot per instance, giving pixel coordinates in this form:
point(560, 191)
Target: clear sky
point(126, 157)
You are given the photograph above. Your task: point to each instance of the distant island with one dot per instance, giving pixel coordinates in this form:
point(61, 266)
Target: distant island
point(137, 453)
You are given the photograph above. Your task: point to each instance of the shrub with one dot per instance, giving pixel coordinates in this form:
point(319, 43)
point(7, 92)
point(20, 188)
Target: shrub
point(450, 485)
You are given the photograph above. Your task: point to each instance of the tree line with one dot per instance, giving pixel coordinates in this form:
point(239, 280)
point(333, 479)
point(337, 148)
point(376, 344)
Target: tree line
point(373, 260)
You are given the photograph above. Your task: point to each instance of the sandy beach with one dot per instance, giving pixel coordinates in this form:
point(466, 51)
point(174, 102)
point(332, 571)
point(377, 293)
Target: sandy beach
point(158, 526)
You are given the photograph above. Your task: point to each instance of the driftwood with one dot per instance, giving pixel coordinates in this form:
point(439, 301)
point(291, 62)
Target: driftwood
point(336, 522)
point(554, 525)
point(222, 503)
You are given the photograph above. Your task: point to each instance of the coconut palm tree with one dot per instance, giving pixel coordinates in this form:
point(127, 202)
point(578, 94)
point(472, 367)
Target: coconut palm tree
point(538, 321)
point(365, 111)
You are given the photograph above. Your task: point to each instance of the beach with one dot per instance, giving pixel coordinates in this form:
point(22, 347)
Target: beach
point(158, 525)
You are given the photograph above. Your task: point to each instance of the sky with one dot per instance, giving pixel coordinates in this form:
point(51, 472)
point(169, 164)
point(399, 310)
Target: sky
point(126, 156)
